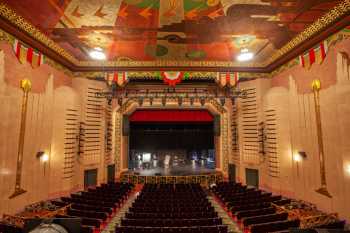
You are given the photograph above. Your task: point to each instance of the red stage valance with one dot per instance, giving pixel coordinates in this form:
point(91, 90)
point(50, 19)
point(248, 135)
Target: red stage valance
point(171, 116)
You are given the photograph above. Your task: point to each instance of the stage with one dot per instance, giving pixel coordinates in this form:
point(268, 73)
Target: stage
point(183, 170)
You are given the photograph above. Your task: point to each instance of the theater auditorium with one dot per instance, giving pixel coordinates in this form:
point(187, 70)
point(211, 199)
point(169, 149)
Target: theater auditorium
point(174, 116)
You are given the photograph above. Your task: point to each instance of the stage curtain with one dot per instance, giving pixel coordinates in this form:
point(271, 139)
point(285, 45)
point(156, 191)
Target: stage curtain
point(171, 116)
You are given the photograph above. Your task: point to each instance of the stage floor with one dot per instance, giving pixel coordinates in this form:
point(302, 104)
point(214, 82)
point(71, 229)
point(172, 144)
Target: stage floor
point(183, 170)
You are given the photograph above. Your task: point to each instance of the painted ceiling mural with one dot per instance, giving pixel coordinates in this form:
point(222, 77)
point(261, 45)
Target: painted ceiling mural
point(150, 30)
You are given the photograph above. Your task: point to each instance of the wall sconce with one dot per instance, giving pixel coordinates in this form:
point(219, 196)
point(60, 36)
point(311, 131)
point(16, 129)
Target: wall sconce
point(347, 169)
point(44, 157)
point(299, 156)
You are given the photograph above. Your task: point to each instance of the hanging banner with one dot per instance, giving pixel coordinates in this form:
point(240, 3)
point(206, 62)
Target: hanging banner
point(119, 78)
point(172, 78)
point(227, 79)
point(314, 55)
point(29, 55)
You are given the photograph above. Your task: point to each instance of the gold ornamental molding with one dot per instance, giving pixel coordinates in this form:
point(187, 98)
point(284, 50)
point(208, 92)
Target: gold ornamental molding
point(169, 63)
point(151, 75)
point(18, 21)
point(337, 12)
point(22, 24)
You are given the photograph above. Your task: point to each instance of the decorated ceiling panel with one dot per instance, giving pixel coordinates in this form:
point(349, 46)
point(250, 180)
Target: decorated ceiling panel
point(172, 30)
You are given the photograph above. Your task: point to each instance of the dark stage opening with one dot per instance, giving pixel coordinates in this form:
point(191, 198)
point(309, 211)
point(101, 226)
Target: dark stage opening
point(171, 147)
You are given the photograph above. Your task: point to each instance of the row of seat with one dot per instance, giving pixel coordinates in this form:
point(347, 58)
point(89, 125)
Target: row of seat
point(254, 208)
point(172, 204)
point(171, 222)
point(171, 209)
point(179, 215)
point(202, 229)
point(96, 205)
point(165, 209)
point(8, 228)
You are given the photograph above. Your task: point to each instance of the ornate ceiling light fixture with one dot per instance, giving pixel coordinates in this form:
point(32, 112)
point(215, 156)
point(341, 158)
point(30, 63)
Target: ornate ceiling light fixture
point(245, 55)
point(97, 54)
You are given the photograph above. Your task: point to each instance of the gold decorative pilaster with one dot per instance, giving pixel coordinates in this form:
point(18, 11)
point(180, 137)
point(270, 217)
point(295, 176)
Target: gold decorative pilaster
point(316, 86)
point(26, 86)
point(225, 142)
point(117, 152)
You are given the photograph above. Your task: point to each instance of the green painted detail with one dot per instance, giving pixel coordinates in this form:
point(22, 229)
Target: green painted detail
point(186, 76)
point(193, 4)
point(156, 50)
point(196, 54)
point(159, 76)
point(154, 4)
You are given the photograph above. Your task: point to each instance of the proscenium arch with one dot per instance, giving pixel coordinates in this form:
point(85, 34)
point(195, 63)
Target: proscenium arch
point(221, 142)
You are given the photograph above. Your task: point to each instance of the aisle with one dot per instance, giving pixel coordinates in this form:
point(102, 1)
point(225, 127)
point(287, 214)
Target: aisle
point(110, 228)
point(226, 219)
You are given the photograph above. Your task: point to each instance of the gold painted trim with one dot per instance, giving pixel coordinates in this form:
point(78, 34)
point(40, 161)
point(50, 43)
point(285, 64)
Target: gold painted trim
point(316, 87)
point(320, 24)
point(338, 11)
point(151, 75)
point(26, 86)
point(22, 24)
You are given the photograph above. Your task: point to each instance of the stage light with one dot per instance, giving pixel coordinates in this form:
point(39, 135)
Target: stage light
point(202, 100)
point(179, 100)
point(140, 101)
point(97, 54)
point(222, 101)
point(245, 55)
point(192, 101)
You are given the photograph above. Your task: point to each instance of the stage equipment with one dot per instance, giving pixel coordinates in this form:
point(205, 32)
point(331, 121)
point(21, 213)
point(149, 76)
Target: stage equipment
point(179, 94)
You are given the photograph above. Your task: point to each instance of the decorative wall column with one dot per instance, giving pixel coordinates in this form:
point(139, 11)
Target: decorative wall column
point(316, 86)
point(117, 141)
point(26, 86)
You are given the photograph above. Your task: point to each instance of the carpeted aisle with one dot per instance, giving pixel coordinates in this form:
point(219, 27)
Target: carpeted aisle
point(226, 219)
point(110, 228)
